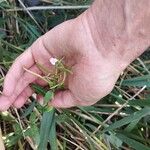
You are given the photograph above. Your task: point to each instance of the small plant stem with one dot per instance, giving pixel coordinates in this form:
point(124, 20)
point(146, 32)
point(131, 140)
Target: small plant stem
point(29, 140)
point(19, 120)
point(20, 145)
point(43, 69)
point(35, 74)
point(78, 146)
point(48, 8)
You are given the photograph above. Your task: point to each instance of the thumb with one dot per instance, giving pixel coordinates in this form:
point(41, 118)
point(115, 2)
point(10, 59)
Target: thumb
point(64, 99)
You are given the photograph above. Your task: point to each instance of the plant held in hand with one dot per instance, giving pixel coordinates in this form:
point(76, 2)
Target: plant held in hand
point(55, 81)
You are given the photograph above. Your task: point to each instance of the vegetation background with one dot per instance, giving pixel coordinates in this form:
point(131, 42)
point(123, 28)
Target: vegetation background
point(120, 121)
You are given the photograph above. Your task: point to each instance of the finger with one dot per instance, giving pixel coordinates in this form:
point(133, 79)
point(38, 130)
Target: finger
point(23, 97)
point(16, 71)
point(5, 103)
point(27, 92)
point(41, 82)
point(37, 52)
point(64, 99)
point(26, 79)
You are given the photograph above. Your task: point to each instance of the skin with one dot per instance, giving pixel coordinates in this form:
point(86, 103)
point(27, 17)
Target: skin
point(98, 45)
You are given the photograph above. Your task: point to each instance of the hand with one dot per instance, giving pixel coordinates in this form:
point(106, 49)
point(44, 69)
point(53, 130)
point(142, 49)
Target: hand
point(94, 74)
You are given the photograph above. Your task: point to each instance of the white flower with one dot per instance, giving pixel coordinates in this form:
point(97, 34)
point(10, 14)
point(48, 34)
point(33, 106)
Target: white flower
point(53, 61)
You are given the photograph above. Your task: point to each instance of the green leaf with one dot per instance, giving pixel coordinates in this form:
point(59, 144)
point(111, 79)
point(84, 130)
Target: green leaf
point(28, 110)
point(142, 103)
point(52, 136)
point(33, 132)
point(17, 129)
point(45, 128)
point(133, 117)
point(31, 29)
point(15, 48)
point(32, 118)
point(114, 140)
point(38, 89)
point(134, 144)
point(48, 96)
point(132, 125)
point(138, 81)
point(47, 108)
point(11, 139)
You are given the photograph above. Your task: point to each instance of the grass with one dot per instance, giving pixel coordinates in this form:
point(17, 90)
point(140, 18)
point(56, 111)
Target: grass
point(119, 121)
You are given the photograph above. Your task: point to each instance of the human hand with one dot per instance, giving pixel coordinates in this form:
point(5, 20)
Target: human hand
point(95, 69)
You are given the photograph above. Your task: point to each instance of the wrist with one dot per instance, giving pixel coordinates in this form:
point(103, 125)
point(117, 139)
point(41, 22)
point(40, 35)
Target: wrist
point(115, 34)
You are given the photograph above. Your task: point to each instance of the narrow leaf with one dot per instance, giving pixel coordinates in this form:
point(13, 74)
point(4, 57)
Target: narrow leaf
point(138, 81)
point(52, 136)
point(38, 89)
point(45, 128)
point(48, 96)
point(133, 117)
point(28, 110)
point(134, 144)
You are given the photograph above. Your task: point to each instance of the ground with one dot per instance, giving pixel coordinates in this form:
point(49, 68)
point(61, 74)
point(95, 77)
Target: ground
point(119, 121)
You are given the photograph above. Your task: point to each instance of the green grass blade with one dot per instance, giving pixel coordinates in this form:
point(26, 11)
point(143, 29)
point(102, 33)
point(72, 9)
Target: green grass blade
point(133, 117)
point(15, 48)
point(38, 89)
point(134, 144)
point(142, 103)
point(132, 125)
point(138, 81)
point(114, 140)
point(48, 96)
point(29, 109)
point(52, 136)
point(45, 128)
